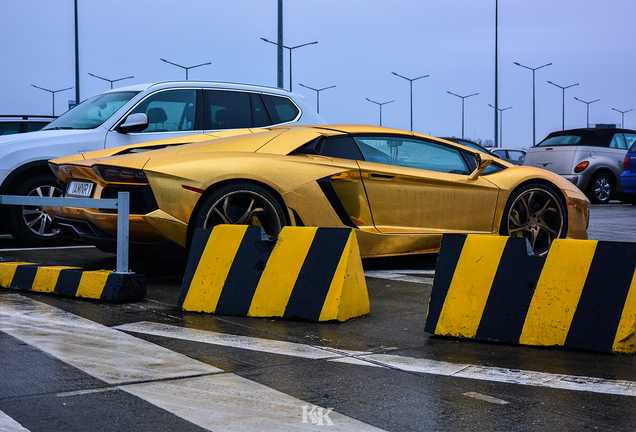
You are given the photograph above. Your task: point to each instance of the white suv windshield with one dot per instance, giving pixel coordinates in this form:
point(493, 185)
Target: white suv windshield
point(92, 112)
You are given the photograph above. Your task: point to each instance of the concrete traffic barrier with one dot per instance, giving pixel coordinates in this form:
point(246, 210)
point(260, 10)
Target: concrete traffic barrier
point(582, 294)
point(73, 281)
point(308, 273)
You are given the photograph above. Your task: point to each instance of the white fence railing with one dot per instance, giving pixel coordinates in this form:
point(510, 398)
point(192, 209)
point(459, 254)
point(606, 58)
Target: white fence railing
point(121, 204)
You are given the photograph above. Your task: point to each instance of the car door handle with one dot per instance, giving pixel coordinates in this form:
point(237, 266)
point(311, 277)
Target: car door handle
point(382, 176)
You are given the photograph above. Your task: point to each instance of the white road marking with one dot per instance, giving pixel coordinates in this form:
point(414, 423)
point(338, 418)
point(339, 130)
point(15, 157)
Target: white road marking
point(486, 398)
point(409, 364)
point(7, 424)
point(46, 248)
point(192, 390)
point(421, 276)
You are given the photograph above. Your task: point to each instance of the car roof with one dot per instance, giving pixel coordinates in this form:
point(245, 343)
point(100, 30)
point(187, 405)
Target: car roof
point(207, 84)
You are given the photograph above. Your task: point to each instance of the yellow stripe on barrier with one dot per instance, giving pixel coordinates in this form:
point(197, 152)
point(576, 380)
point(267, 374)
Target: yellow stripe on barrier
point(558, 292)
point(46, 278)
point(7, 271)
point(92, 283)
point(470, 286)
point(624, 340)
point(214, 266)
point(275, 286)
point(345, 298)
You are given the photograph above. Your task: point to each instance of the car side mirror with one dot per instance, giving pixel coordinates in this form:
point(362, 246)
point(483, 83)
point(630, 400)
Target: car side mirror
point(482, 160)
point(134, 123)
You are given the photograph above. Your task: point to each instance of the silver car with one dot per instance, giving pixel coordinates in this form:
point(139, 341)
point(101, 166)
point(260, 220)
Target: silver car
point(592, 159)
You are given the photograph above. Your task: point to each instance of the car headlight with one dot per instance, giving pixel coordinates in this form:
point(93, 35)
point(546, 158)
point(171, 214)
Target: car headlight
point(120, 175)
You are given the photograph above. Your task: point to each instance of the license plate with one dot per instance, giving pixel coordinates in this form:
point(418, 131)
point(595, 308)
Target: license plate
point(79, 189)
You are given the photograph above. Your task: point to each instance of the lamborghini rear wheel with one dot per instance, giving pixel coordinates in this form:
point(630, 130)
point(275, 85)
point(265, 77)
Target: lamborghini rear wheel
point(537, 213)
point(241, 204)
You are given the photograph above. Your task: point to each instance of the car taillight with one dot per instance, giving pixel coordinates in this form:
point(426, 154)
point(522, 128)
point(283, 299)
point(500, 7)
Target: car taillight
point(120, 175)
point(627, 163)
point(581, 167)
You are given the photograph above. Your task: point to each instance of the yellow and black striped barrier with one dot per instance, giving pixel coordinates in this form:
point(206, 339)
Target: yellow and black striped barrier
point(308, 273)
point(73, 281)
point(581, 295)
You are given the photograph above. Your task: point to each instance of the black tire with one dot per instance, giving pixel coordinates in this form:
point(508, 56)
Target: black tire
point(30, 224)
point(601, 189)
point(241, 204)
point(536, 212)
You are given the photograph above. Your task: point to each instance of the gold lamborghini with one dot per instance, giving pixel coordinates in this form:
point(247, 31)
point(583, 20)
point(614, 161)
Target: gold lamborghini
point(399, 190)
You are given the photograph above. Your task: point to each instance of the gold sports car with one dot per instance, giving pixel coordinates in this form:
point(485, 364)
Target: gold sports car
point(399, 190)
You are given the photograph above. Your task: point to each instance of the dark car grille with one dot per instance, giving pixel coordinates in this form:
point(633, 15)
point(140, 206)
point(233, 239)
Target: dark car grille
point(142, 201)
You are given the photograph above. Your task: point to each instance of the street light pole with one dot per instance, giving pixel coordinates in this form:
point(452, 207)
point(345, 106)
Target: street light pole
point(380, 104)
point(411, 82)
point(534, 107)
point(623, 116)
point(317, 94)
point(290, 56)
point(462, 97)
point(109, 80)
point(563, 102)
point(501, 110)
point(588, 108)
point(53, 93)
point(186, 67)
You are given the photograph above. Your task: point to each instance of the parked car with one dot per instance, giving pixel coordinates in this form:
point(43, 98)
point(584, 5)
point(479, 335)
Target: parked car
point(514, 156)
point(628, 176)
point(130, 115)
point(469, 143)
point(400, 191)
point(592, 159)
point(10, 124)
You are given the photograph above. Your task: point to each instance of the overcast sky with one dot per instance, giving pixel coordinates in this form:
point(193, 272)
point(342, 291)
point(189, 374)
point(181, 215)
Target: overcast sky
point(360, 44)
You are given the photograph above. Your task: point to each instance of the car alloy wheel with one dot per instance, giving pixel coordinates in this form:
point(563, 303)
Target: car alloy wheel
point(242, 204)
point(37, 221)
point(536, 213)
point(601, 189)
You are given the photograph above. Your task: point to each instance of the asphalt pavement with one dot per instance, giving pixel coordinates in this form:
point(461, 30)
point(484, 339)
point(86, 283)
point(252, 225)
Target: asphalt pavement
point(76, 365)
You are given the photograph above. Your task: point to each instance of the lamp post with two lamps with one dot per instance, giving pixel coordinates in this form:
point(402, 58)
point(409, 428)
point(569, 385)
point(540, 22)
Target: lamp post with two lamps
point(588, 108)
point(462, 97)
point(534, 106)
point(185, 67)
point(317, 94)
point(290, 56)
point(501, 110)
point(109, 80)
point(380, 104)
point(623, 116)
point(52, 93)
point(563, 102)
point(411, 82)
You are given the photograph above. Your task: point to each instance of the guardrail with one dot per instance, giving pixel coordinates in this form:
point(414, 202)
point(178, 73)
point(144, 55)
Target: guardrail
point(121, 204)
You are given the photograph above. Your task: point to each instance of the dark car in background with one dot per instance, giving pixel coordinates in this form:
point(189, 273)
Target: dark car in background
point(12, 124)
point(591, 158)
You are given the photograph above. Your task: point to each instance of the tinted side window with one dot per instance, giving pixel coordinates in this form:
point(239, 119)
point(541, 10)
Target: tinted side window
point(413, 153)
point(9, 128)
point(224, 109)
point(341, 147)
point(630, 140)
point(35, 126)
point(260, 117)
point(281, 109)
point(618, 141)
point(169, 111)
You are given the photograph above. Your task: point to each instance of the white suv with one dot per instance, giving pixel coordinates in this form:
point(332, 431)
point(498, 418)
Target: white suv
point(130, 115)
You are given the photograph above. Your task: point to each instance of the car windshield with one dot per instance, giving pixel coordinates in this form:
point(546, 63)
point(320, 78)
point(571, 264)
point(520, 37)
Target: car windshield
point(92, 112)
point(563, 140)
